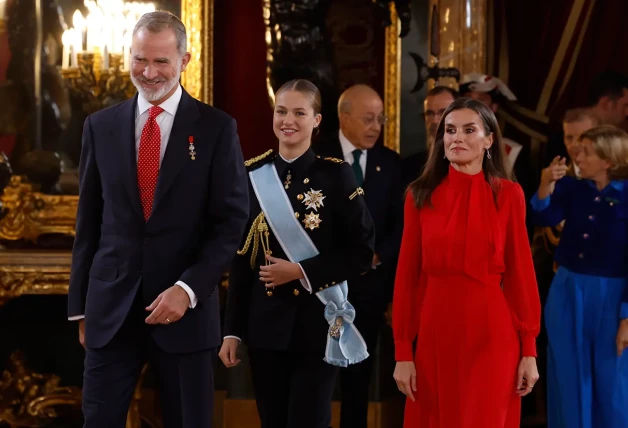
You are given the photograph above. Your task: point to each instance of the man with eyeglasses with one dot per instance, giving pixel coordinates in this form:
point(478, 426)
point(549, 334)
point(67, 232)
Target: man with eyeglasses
point(436, 101)
point(377, 170)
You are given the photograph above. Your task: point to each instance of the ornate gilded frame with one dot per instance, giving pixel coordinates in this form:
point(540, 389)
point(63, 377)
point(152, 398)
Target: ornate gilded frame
point(198, 78)
point(392, 82)
point(32, 214)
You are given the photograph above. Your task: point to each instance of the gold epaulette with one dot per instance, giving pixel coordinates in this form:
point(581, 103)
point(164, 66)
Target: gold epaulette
point(258, 232)
point(331, 159)
point(257, 158)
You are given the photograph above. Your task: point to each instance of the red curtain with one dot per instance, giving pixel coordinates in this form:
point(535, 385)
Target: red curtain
point(596, 40)
point(240, 72)
point(603, 47)
point(548, 52)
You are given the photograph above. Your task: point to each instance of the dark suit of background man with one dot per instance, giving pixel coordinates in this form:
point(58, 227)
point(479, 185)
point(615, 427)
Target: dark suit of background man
point(162, 207)
point(436, 101)
point(378, 172)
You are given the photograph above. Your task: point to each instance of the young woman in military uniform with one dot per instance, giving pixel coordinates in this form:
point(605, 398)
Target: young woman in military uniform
point(309, 231)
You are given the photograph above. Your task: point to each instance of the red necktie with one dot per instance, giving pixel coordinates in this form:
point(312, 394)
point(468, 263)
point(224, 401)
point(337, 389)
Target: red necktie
point(148, 160)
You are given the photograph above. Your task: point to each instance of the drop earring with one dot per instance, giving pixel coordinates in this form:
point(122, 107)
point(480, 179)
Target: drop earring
point(488, 154)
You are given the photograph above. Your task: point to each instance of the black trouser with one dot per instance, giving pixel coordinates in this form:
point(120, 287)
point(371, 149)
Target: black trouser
point(355, 379)
point(292, 390)
point(186, 381)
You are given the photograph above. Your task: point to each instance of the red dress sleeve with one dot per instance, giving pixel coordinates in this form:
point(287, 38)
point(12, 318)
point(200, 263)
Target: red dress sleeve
point(409, 288)
point(519, 279)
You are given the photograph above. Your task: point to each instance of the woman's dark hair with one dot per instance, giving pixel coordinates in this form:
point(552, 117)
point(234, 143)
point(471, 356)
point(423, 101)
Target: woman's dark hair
point(437, 167)
point(307, 88)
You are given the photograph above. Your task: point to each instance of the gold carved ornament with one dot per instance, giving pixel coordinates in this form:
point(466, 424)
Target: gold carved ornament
point(30, 399)
point(31, 214)
point(19, 281)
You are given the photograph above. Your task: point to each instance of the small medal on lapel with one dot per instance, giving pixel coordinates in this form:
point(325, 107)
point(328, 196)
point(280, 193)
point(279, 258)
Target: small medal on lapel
point(192, 152)
point(313, 199)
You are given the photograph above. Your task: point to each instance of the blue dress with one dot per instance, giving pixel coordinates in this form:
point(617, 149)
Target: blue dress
point(587, 382)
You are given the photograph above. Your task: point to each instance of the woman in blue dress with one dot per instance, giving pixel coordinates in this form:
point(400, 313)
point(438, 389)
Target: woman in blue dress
point(586, 314)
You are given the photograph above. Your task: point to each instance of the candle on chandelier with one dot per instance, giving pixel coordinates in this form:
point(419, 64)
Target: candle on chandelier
point(105, 58)
point(78, 21)
point(65, 56)
point(126, 51)
point(77, 46)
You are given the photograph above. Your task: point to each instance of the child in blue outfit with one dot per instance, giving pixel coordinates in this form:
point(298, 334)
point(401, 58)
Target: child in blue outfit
point(587, 308)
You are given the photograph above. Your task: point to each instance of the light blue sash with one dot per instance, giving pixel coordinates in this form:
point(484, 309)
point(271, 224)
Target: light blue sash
point(345, 345)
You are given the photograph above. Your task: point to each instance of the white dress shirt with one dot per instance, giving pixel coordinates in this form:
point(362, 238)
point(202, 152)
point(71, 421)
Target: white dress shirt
point(347, 152)
point(165, 121)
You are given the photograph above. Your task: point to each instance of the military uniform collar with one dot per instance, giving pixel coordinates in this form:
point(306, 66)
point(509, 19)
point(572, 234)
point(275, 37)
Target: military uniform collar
point(297, 166)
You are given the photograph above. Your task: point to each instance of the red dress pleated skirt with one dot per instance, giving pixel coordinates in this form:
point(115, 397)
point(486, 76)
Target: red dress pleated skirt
point(466, 358)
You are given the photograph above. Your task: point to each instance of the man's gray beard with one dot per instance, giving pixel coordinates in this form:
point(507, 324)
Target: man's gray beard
point(157, 94)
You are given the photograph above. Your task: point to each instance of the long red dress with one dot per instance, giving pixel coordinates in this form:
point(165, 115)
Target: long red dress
point(466, 289)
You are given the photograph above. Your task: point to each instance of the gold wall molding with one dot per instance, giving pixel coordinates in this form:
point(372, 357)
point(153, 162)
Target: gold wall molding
point(28, 272)
point(392, 82)
point(198, 18)
point(31, 214)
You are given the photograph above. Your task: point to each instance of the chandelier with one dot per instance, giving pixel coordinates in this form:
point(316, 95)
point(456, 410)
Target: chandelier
point(96, 52)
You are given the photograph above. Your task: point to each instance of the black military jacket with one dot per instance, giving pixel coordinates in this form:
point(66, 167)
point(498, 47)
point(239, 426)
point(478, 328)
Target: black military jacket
point(330, 206)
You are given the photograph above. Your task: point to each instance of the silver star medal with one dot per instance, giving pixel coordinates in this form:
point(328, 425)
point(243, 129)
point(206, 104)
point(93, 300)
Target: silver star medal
point(314, 199)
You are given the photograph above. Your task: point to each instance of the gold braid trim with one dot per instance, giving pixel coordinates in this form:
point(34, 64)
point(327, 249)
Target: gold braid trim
point(358, 191)
point(257, 158)
point(335, 160)
point(257, 232)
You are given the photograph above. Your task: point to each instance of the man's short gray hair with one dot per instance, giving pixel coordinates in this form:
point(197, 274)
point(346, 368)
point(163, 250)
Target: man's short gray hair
point(161, 20)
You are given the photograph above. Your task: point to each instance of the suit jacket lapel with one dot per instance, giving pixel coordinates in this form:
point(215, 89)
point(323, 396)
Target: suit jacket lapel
point(177, 151)
point(126, 139)
point(371, 168)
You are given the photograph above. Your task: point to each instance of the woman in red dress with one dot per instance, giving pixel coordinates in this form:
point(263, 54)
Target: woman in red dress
point(465, 286)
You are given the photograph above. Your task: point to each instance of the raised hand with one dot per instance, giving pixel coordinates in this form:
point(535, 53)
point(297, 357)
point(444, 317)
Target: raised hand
point(555, 171)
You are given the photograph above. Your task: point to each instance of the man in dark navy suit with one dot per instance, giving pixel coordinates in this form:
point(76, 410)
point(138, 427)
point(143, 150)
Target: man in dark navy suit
point(162, 208)
point(377, 170)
